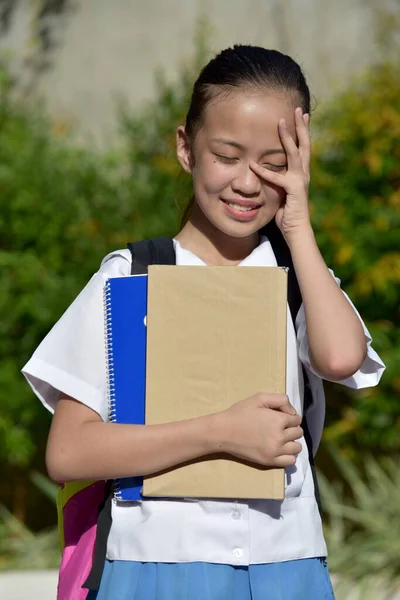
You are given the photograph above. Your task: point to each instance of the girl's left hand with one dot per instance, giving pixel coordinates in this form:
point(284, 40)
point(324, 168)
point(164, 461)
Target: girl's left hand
point(294, 214)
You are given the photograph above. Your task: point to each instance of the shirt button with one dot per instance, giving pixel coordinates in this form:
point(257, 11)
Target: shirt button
point(236, 515)
point(237, 552)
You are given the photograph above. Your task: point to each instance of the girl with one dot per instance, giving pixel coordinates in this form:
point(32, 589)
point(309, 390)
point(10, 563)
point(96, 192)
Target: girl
point(246, 144)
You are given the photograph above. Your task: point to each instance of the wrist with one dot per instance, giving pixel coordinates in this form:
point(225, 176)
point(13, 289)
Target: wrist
point(300, 236)
point(215, 428)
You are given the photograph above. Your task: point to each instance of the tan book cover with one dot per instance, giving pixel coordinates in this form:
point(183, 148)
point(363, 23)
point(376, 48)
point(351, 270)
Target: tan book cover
point(215, 335)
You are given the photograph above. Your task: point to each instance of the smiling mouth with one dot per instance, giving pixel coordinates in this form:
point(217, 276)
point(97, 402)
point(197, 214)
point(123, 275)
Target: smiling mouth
point(242, 207)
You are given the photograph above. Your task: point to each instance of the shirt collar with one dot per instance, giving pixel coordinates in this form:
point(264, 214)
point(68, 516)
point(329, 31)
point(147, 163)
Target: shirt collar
point(261, 256)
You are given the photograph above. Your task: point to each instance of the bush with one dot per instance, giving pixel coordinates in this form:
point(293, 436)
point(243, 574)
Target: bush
point(61, 210)
point(362, 528)
point(21, 548)
point(356, 212)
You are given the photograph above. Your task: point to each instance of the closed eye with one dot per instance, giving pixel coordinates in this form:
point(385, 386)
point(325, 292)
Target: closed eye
point(226, 159)
point(272, 167)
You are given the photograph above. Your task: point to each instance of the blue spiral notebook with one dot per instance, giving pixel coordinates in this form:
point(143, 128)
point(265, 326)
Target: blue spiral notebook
point(125, 300)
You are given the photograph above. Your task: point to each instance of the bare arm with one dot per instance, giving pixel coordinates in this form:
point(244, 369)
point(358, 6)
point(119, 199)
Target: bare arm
point(336, 338)
point(81, 446)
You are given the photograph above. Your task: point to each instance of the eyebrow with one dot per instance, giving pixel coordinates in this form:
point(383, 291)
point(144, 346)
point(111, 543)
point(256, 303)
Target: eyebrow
point(240, 147)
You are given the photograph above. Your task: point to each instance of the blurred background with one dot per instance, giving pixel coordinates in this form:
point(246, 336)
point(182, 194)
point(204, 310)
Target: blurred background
point(90, 95)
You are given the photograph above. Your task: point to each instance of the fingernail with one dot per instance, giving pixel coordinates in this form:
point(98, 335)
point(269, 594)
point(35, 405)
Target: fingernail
point(282, 122)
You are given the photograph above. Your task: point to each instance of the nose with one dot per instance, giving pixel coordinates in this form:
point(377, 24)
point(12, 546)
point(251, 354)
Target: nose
point(246, 183)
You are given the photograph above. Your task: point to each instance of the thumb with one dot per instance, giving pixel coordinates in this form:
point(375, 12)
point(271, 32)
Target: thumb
point(279, 402)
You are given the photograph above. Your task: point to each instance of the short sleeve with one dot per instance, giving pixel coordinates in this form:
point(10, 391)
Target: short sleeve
point(371, 370)
point(71, 358)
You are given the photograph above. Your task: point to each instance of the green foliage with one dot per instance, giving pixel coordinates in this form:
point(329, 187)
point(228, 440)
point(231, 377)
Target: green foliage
point(362, 527)
point(61, 210)
point(356, 213)
point(47, 487)
point(21, 548)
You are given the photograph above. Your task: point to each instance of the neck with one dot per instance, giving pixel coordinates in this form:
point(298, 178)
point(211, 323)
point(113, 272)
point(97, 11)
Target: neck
point(213, 246)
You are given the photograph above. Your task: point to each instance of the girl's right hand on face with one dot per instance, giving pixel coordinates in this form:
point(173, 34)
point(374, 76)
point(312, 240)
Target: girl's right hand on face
point(262, 429)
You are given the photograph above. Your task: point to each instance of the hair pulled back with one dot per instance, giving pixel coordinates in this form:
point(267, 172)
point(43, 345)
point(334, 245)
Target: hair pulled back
point(246, 67)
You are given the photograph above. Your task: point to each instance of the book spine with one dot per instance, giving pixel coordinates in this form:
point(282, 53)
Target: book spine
point(112, 415)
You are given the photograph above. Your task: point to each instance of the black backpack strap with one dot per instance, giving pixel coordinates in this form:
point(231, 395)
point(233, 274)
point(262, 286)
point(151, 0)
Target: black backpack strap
point(100, 547)
point(284, 259)
point(157, 251)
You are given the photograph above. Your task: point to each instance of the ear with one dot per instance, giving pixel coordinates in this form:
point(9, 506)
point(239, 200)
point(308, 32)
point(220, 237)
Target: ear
point(183, 150)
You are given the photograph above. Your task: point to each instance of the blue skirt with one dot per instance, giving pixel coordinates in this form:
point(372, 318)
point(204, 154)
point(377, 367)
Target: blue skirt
point(306, 579)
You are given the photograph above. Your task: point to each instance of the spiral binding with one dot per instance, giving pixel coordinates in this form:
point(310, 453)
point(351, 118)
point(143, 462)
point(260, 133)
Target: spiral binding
point(109, 352)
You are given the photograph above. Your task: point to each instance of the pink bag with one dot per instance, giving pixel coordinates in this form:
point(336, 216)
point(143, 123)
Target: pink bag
point(78, 504)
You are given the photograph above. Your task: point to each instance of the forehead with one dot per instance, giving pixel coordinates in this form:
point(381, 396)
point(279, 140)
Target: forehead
point(248, 118)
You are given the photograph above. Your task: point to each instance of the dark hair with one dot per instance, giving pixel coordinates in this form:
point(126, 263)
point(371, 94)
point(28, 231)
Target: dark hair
point(244, 67)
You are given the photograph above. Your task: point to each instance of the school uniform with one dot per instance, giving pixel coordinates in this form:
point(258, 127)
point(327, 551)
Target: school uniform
point(161, 549)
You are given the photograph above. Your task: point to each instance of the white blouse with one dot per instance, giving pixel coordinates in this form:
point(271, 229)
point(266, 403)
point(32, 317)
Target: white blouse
point(71, 360)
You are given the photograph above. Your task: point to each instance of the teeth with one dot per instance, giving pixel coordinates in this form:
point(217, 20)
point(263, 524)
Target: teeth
point(241, 208)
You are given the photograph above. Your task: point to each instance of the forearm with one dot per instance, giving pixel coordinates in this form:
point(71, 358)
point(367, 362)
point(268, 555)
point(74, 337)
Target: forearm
point(97, 450)
point(335, 334)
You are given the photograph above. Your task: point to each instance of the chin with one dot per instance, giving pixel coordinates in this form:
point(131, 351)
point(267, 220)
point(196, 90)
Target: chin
point(238, 230)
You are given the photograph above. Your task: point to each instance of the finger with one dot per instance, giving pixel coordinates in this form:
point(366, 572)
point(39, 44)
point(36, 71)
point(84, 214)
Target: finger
point(291, 448)
point(279, 402)
point(281, 462)
point(302, 130)
point(303, 136)
point(289, 145)
point(288, 408)
point(291, 434)
point(292, 421)
point(267, 175)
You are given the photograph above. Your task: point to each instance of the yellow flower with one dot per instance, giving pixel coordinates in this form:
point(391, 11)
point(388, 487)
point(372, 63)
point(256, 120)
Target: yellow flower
point(344, 254)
